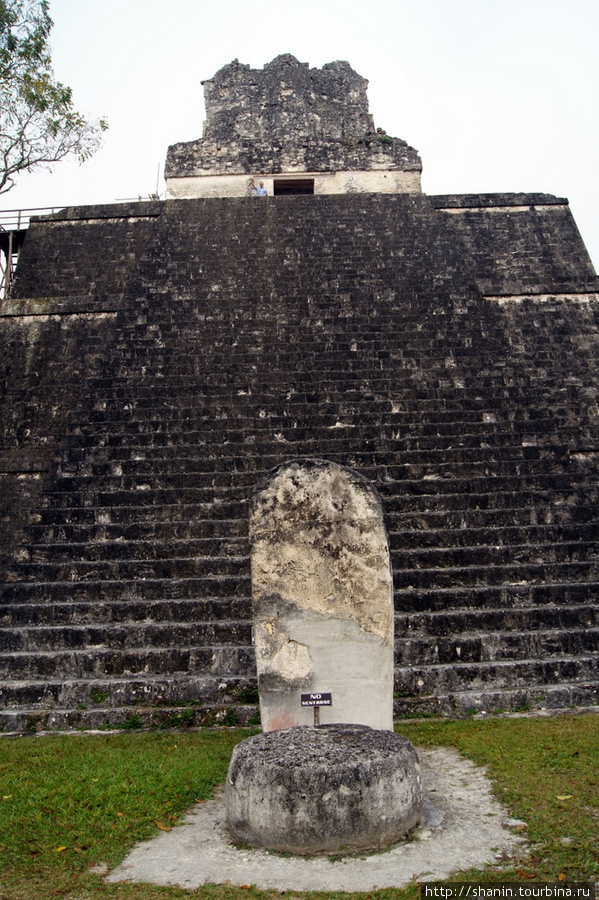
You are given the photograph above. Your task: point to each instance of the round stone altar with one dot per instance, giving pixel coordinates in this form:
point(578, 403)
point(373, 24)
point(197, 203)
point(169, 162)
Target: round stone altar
point(324, 789)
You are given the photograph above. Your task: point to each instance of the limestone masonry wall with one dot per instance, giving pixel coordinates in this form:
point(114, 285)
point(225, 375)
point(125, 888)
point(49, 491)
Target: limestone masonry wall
point(287, 118)
point(159, 359)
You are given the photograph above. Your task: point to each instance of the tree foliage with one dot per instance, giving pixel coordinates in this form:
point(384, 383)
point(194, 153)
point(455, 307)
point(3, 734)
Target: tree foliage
point(38, 123)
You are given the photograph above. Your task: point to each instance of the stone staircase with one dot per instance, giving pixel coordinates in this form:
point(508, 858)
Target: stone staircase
point(248, 334)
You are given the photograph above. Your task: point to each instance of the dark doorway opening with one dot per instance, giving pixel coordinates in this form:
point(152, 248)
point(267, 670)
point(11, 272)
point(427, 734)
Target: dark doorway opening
point(293, 186)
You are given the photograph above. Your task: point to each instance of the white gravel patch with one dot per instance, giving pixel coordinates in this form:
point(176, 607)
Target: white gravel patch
point(464, 827)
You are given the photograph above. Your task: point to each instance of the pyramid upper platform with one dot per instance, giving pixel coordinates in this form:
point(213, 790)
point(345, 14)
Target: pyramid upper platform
point(288, 124)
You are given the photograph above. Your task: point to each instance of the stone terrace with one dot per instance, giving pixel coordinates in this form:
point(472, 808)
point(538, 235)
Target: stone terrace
point(159, 359)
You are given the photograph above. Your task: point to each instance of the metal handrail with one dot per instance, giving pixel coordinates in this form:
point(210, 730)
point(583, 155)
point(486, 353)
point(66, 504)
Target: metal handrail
point(13, 221)
point(18, 219)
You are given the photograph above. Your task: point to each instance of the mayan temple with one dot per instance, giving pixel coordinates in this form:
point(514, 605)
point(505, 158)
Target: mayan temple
point(161, 358)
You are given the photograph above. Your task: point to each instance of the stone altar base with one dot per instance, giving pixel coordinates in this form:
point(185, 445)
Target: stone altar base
point(463, 827)
point(325, 789)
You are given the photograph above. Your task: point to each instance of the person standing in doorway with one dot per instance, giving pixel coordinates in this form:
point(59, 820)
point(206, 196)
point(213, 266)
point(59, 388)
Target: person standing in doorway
point(260, 189)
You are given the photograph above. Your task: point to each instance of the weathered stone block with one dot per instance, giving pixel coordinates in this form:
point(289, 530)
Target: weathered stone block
point(287, 119)
point(334, 788)
point(322, 595)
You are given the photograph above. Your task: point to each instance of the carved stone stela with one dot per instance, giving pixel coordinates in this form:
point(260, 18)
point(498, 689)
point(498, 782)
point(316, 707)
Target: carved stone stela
point(322, 595)
point(323, 618)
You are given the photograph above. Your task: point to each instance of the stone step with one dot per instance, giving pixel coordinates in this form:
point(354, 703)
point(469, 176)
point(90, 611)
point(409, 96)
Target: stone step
point(179, 555)
point(418, 366)
point(129, 550)
point(127, 635)
point(166, 623)
point(126, 611)
point(95, 645)
point(139, 690)
point(419, 513)
point(235, 530)
point(100, 602)
point(415, 434)
point(173, 461)
point(562, 695)
point(170, 568)
point(564, 512)
point(361, 342)
point(494, 485)
point(161, 403)
point(421, 539)
point(214, 378)
point(444, 623)
point(238, 485)
point(496, 646)
point(314, 427)
point(201, 530)
point(487, 575)
point(402, 512)
point(134, 703)
point(415, 360)
point(492, 596)
point(80, 448)
point(367, 398)
point(161, 475)
point(530, 496)
point(158, 473)
point(145, 491)
point(134, 516)
point(491, 403)
point(406, 362)
point(208, 588)
point(141, 513)
point(485, 491)
point(81, 718)
point(496, 675)
point(222, 659)
point(503, 554)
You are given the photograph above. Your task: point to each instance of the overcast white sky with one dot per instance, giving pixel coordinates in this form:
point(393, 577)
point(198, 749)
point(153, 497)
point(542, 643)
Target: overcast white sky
point(496, 95)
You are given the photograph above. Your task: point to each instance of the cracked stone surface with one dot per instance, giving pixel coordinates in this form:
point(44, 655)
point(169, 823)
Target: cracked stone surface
point(322, 594)
point(288, 117)
point(336, 788)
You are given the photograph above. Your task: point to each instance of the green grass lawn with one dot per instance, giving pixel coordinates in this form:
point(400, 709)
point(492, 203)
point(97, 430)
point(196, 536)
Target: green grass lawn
point(71, 802)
